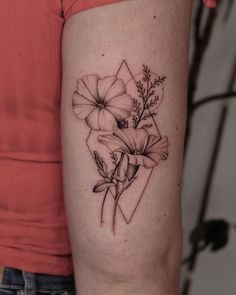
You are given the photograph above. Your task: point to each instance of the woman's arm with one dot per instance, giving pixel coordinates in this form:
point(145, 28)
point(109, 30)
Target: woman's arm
point(123, 121)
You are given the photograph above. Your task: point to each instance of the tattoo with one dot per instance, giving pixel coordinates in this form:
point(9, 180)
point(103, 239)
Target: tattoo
point(124, 138)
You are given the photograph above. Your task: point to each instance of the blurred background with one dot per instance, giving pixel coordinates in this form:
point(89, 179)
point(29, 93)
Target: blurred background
point(209, 190)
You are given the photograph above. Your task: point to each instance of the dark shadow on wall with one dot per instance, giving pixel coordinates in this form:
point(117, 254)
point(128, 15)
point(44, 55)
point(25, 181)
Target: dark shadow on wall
point(214, 233)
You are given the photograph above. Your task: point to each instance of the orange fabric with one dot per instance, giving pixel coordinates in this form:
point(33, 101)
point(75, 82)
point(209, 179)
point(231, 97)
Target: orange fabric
point(210, 3)
point(72, 6)
point(33, 231)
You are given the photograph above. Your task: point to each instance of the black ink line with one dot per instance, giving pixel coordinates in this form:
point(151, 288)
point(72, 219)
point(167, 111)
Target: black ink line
point(140, 197)
point(130, 219)
point(103, 204)
point(121, 211)
point(124, 62)
point(88, 90)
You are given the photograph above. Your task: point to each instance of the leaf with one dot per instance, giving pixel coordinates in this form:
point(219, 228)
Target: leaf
point(141, 89)
point(102, 185)
point(101, 164)
point(104, 166)
point(153, 103)
point(110, 173)
point(114, 158)
point(149, 115)
point(146, 73)
point(135, 120)
point(101, 172)
point(118, 178)
point(147, 126)
point(98, 159)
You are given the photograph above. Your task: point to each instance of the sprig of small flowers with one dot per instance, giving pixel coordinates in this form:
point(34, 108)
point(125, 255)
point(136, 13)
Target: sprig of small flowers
point(143, 110)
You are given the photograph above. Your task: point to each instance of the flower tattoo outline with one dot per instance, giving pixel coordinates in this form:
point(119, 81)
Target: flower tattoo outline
point(101, 102)
point(121, 115)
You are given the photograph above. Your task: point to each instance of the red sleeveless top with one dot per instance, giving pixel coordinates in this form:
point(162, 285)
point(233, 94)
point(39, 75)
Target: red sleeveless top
point(33, 232)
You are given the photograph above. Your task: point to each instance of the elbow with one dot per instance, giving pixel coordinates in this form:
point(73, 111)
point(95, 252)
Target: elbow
point(145, 270)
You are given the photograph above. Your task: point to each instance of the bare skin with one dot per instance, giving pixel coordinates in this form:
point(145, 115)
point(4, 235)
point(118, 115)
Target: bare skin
point(124, 139)
point(123, 121)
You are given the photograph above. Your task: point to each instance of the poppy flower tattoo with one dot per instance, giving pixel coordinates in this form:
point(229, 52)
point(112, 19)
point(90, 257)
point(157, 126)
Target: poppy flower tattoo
point(124, 139)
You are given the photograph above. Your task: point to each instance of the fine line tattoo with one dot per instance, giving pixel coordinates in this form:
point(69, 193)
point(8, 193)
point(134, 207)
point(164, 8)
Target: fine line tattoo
point(124, 138)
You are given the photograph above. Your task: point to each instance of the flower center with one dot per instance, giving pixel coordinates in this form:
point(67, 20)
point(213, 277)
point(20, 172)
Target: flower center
point(100, 105)
point(137, 152)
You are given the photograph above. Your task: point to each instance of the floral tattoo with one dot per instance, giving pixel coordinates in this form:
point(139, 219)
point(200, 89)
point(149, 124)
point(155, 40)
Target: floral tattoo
point(124, 139)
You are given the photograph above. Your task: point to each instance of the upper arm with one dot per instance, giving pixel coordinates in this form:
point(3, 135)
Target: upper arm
point(122, 170)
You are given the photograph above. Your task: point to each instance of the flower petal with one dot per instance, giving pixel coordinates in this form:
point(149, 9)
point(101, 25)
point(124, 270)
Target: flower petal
point(83, 91)
point(142, 160)
point(157, 157)
point(106, 121)
point(104, 85)
point(79, 99)
point(152, 140)
point(91, 82)
point(136, 139)
point(116, 89)
point(82, 111)
point(92, 119)
point(118, 113)
point(120, 106)
point(87, 87)
point(81, 106)
point(123, 101)
point(158, 146)
point(113, 143)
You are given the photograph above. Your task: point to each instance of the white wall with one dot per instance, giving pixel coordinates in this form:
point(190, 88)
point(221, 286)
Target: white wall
point(215, 273)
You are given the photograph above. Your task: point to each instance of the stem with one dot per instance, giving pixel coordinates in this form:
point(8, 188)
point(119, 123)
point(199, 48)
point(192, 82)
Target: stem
point(103, 204)
point(114, 214)
point(105, 196)
point(145, 99)
point(131, 172)
point(116, 201)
